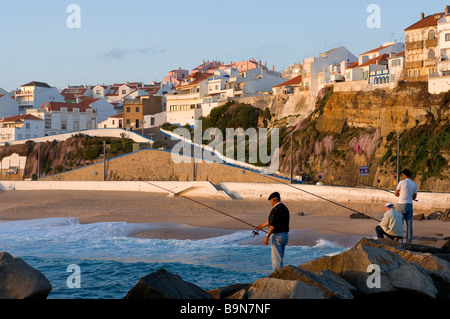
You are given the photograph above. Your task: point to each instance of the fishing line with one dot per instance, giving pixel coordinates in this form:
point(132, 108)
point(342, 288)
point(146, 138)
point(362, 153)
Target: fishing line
point(255, 232)
point(386, 190)
point(323, 198)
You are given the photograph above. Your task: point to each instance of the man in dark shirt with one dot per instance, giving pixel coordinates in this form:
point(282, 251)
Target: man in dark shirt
point(278, 233)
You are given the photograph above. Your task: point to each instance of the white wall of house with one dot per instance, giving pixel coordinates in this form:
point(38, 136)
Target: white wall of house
point(8, 106)
point(30, 129)
point(103, 109)
point(35, 96)
point(60, 122)
point(155, 120)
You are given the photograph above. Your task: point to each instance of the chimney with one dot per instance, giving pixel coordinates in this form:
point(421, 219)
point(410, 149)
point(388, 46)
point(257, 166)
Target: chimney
point(422, 16)
point(447, 10)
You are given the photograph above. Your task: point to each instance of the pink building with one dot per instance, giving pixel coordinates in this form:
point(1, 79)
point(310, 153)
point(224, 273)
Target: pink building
point(176, 76)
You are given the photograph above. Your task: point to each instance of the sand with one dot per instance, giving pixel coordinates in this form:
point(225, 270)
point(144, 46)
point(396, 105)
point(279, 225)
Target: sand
point(180, 218)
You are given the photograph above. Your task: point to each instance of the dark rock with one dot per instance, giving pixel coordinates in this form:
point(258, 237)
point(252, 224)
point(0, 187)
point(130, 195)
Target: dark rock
point(396, 275)
point(18, 280)
point(436, 215)
point(446, 247)
point(273, 288)
point(227, 291)
point(163, 285)
point(358, 216)
point(419, 217)
point(331, 284)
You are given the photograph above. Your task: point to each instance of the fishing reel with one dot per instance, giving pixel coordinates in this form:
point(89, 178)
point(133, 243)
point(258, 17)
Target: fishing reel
point(255, 233)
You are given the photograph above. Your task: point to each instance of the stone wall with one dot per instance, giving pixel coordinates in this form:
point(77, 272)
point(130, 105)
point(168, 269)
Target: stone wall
point(157, 165)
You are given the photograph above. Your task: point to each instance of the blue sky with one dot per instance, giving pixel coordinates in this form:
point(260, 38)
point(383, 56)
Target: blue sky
point(142, 40)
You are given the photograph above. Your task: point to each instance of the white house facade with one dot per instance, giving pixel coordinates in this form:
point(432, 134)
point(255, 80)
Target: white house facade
point(21, 127)
point(32, 95)
point(8, 106)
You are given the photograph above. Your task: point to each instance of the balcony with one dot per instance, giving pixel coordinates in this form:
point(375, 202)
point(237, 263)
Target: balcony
point(430, 62)
point(414, 64)
point(414, 45)
point(431, 43)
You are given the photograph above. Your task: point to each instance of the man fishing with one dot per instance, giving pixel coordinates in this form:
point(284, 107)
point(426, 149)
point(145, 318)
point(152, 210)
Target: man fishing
point(278, 233)
point(391, 225)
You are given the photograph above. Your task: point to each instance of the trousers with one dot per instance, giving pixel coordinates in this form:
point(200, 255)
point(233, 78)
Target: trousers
point(407, 211)
point(278, 242)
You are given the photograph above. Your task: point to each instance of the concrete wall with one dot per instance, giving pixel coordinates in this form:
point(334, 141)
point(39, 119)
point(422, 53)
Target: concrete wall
point(194, 189)
point(438, 85)
point(426, 201)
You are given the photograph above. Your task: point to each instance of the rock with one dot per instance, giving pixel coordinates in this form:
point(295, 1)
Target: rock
point(358, 216)
point(435, 215)
point(331, 284)
point(164, 285)
point(273, 288)
point(428, 258)
point(18, 280)
point(446, 216)
point(396, 275)
point(446, 247)
point(419, 217)
point(228, 291)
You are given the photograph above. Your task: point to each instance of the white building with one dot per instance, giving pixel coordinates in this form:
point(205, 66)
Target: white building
point(21, 127)
point(63, 118)
point(32, 95)
point(184, 105)
point(327, 66)
point(103, 109)
point(113, 121)
point(8, 106)
point(440, 81)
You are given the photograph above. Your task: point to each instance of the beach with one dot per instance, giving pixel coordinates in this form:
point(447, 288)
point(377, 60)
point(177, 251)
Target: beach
point(181, 218)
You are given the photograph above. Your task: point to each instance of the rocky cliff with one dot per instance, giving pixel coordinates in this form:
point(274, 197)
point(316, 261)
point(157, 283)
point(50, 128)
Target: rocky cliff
point(349, 130)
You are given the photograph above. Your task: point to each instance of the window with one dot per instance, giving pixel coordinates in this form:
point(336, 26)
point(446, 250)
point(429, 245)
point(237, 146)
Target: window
point(447, 37)
point(63, 125)
point(48, 123)
point(431, 55)
point(137, 109)
point(27, 126)
point(124, 92)
point(431, 34)
point(128, 109)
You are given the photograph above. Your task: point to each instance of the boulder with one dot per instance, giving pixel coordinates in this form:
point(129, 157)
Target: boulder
point(394, 275)
point(164, 285)
point(18, 280)
point(273, 288)
point(229, 291)
point(331, 284)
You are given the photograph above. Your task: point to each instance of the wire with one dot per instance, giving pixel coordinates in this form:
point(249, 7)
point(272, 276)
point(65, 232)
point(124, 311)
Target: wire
point(323, 198)
point(210, 207)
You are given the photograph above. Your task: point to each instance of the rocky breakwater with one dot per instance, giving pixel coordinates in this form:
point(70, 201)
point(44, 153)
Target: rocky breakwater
point(18, 280)
point(371, 269)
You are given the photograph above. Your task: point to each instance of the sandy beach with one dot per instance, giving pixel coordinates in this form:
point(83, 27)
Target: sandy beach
point(180, 218)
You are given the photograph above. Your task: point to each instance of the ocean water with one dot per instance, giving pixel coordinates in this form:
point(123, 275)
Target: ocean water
point(111, 261)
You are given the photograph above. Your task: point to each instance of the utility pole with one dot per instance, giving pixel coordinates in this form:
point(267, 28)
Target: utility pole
point(398, 158)
point(292, 157)
point(39, 162)
point(104, 160)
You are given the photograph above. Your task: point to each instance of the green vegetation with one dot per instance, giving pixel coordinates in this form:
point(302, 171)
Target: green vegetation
point(421, 150)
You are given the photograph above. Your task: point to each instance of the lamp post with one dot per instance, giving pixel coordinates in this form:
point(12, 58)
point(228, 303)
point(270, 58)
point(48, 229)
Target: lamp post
point(398, 158)
point(292, 157)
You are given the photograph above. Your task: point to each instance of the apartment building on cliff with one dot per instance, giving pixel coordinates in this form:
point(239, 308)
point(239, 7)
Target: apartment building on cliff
point(21, 127)
point(439, 81)
point(33, 94)
point(422, 46)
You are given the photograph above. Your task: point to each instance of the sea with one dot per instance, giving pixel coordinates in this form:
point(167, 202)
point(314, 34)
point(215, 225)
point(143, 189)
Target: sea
point(104, 260)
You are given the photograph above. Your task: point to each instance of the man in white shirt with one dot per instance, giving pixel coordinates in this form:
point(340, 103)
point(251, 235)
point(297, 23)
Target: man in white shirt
point(406, 192)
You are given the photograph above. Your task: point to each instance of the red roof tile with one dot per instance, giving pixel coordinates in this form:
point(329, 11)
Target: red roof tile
point(56, 106)
point(20, 118)
point(428, 21)
point(294, 81)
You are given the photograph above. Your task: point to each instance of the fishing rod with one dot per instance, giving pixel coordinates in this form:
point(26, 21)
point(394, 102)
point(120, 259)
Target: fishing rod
point(381, 189)
point(323, 198)
point(255, 232)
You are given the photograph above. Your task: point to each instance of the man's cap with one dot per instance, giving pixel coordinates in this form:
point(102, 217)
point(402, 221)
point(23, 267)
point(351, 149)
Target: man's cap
point(274, 195)
point(389, 205)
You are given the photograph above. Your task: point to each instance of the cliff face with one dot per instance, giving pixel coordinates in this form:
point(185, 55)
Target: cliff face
point(349, 130)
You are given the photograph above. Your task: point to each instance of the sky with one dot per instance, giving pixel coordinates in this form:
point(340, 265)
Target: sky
point(107, 42)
